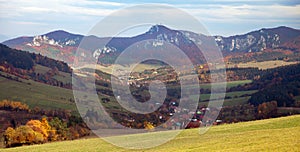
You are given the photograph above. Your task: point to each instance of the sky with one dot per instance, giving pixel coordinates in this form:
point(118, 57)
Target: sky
point(219, 17)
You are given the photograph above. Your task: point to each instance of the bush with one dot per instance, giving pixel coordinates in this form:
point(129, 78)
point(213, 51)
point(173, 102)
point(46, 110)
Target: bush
point(34, 132)
point(13, 105)
point(21, 135)
point(60, 128)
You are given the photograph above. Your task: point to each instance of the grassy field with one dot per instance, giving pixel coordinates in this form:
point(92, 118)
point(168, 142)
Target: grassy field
point(229, 102)
point(229, 84)
point(236, 83)
point(262, 65)
point(108, 69)
point(235, 94)
point(36, 94)
point(279, 134)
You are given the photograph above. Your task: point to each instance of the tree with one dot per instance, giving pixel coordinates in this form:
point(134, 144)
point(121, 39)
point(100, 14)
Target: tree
point(9, 136)
point(280, 93)
point(60, 128)
point(148, 126)
point(21, 135)
point(24, 135)
point(13, 105)
point(38, 126)
point(267, 109)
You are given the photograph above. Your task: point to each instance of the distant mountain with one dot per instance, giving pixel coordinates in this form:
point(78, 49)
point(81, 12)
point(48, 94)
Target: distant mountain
point(256, 41)
point(62, 45)
point(58, 45)
point(160, 36)
point(57, 38)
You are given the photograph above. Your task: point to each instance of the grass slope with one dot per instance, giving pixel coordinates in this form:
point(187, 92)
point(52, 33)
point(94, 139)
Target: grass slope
point(36, 94)
point(279, 134)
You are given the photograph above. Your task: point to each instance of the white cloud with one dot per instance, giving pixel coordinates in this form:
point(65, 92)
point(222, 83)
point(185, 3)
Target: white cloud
point(245, 12)
point(28, 23)
point(82, 14)
point(79, 7)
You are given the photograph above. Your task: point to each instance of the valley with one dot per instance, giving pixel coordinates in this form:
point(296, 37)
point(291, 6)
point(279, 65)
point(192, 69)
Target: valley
point(260, 84)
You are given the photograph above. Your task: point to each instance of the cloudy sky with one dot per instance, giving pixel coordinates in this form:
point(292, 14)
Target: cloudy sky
point(220, 17)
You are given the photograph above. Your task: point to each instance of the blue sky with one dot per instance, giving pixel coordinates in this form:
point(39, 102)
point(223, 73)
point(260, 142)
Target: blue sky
point(220, 17)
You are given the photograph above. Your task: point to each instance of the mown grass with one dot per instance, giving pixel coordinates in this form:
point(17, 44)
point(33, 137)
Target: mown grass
point(235, 94)
point(108, 69)
point(36, 94)
point(262, 65)
point(236, 98)
point(229, 102)
point(229, 84)
point(279, 134)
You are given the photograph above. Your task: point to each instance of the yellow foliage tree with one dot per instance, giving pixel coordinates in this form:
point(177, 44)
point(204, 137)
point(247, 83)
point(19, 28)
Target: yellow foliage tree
point(149, 126)
point(53, 136)
point(38, 126)
point(13, 105)
point(22, 135)
point(45, 124)
point(34, 131)
point(9, 136)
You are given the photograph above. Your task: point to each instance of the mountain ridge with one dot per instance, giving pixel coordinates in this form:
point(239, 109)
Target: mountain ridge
point(62, 45)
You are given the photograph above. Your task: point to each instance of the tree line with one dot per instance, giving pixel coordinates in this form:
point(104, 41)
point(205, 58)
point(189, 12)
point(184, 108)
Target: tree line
point(55, 125)
point(26, 60)
point(279, 84)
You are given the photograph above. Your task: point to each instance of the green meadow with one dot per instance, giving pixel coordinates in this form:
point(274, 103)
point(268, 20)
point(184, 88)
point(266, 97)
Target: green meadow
point(278, 134)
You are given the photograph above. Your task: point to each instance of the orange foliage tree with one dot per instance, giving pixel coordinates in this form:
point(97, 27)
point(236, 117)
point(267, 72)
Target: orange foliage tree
point(21, 135)
point(41, 127)
point(13, 105)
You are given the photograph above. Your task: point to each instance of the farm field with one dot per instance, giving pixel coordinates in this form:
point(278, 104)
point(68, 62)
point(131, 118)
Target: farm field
point(229, 102)
point(235, 94)
point(278, 134)
point(229, 84)
point(261, 65)
point(108, 69)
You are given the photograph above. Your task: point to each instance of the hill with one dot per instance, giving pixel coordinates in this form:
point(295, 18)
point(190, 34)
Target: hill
point(278, 134)
point(264, 44)
point(34, 66)
point(259, 40)
point(280, 84)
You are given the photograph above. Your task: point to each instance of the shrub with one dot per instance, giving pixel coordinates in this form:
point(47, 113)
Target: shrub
point(13, 105)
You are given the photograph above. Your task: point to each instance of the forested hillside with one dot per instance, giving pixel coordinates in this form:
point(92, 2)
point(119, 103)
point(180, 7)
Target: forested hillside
point(34, 66)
